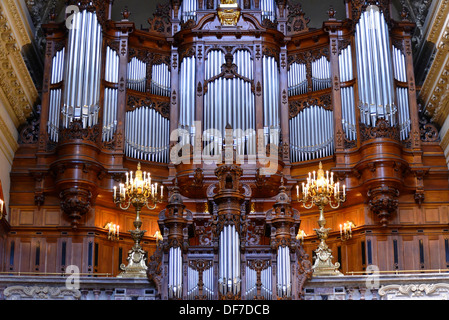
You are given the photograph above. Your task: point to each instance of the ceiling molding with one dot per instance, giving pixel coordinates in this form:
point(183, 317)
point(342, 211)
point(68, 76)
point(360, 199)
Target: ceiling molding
point(434, 91)
point(15, 79)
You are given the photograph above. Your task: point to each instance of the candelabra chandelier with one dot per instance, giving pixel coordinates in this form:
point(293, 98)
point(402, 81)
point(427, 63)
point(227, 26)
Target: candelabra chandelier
point(321, 190)
point(139, 192)
point(346, 230)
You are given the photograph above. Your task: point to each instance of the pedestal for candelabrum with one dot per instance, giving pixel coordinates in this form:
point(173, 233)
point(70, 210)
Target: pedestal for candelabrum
point(321, 191)
point(139, 192)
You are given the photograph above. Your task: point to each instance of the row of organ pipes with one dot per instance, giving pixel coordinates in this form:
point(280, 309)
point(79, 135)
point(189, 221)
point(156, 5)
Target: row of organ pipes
point(374, 66)
point(348, 119)
point(82, 79)
point(175, 273)
point(208, 283)
point(229, 261)
point(110, 94)
point(251, 283)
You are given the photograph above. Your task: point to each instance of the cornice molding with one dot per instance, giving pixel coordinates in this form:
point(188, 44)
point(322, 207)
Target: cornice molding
point(15, 79)
point(16, 18)
point(434, 91)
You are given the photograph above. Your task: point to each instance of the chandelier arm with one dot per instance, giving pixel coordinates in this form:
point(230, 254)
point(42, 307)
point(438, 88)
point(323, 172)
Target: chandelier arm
point(125, 206)
point(334, 206)
point(152, 207)
point(307, 206)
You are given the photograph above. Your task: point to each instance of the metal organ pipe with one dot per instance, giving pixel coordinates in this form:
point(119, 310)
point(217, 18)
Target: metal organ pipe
point(271, 99)
point(137, 74)
point(57, 75)
point(110, 95)
point(175, 272)
point(374, 67)
point(147, 135)
point(297, 79)
point(401, 93)
point(188, 10)
point(311, 134)
point(160, 81)
point(187, 95)
point(82, 79)
point(284, 272)
point(268, 8)
point(229, 101)
point(321, 78)
point(347, 94)
point(229, 260)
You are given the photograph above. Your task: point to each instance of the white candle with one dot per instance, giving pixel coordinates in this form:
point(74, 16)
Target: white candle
point(115, 192)
point(297, 190)
point(127, 178)
point(344, 192)
point(340, 230)
point(162, 191)
point(118, 231)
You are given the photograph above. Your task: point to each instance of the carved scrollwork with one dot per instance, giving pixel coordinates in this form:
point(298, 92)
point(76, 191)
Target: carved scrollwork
point(383, 201)
point(428, 130)
point(161, 20)
point(296, 106)
point(161, 106)
point(76, 131)
point(381, 130)
point(29, 133)
point(296, 20)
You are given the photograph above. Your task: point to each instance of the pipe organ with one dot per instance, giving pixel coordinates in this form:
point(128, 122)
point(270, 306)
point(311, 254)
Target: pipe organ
point(83, 71)
point(229, 100)
point(374, 68)
point(257, 77)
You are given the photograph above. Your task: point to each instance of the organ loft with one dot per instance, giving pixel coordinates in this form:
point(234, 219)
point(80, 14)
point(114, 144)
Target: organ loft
point(226, 150)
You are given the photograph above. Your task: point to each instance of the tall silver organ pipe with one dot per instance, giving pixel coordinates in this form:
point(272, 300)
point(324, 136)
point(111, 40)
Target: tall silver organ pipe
point(311, 134)
point(271, 120)
point(147, 135)
point(321, 74)
point(137, 75)
point(192, 283)
point(188, 10)
point(175, 272)
point(268, 8)
point(229, 101)
point(297, 79)
point(229, 260)
point(347, 94)
point(82, 77)
point(187, 96)
point(110, 95)
point(283, 274)
point(160, 80)
point(57, 75)
point(251, 280)
point(374, 68)
point(401, 93)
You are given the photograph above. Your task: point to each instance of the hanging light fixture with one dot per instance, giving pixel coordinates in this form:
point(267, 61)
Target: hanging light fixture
point(140, 192)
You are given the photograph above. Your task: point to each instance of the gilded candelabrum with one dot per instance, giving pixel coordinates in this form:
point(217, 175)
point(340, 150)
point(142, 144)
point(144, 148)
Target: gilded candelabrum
point(321, 190)
point(139, 192)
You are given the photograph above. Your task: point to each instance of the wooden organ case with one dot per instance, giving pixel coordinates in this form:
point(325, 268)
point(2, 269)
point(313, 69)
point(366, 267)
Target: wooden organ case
point(229, 104)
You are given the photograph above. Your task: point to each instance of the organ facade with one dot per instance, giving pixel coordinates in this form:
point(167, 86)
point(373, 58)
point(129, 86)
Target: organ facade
point(229, 105)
